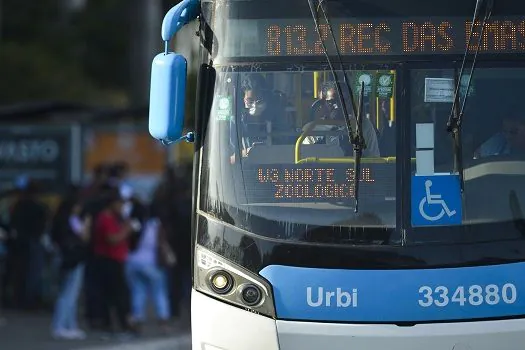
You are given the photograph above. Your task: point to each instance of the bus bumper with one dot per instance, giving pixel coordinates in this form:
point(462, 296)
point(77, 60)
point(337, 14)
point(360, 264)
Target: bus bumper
point(219, 326)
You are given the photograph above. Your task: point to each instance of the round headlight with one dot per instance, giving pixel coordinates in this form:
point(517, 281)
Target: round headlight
point(251, 295)
point(221, 282)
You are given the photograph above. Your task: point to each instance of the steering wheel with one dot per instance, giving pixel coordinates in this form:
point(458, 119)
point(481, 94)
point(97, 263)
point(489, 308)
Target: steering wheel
point(318, 105)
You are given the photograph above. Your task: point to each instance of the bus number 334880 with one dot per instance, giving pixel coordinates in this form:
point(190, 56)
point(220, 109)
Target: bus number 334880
point(474, 295)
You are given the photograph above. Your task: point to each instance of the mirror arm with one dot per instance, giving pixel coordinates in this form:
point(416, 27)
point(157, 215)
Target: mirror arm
point(179, 15)
point(189, 137)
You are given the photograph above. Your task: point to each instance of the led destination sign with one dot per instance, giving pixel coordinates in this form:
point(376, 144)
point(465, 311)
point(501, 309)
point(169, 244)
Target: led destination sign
point(384, 36)
point(318, 183)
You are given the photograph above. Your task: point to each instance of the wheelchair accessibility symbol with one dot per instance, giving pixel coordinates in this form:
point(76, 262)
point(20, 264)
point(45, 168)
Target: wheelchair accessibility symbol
point(433, 199)
point(436, 200)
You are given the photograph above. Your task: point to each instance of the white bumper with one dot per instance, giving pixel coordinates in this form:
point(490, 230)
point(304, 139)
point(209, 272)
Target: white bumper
point(219, 326)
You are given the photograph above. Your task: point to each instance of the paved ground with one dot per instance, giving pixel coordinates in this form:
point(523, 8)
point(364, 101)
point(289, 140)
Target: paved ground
point(31, 332)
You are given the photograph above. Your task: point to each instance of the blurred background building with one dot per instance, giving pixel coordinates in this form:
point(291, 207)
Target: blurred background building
point(81, 68)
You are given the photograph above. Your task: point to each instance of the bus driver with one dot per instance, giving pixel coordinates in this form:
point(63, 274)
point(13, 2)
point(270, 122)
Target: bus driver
point(332, 111)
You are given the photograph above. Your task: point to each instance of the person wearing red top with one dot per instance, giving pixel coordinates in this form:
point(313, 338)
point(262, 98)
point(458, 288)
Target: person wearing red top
point(110, 246)
point(111, 241)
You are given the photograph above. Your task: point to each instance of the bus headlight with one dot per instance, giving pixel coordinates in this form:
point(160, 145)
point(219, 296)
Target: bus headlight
point(251, 295)
point(221, 281)
point(233, 284)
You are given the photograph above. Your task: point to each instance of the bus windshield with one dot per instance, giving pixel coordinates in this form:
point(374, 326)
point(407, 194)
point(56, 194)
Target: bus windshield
point(277, 160)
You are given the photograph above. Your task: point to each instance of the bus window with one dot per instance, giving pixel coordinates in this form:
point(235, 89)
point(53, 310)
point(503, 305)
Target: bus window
point(493, 135)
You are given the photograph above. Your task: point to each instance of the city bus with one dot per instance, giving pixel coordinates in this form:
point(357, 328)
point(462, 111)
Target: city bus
point(359, 168)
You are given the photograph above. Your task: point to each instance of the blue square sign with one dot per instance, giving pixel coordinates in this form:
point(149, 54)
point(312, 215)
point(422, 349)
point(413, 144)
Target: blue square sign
point(436, 200)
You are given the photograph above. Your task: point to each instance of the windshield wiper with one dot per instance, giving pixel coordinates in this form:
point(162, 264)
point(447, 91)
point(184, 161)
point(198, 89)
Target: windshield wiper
point(456, 113)
point(359, 144)
point(456, 136)
point(357, 139)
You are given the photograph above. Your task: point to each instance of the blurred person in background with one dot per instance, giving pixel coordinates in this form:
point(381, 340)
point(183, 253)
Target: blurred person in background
point(70, 233)
point(94, 200)
point(164, 203)
point(28, 223)
point(11, 273)
point(99, 179)
point(181, 241)
point(173, 200)
point(118, 175)
point(132, 207)
point(110, 243)
point(4, 237)
point(150, 257)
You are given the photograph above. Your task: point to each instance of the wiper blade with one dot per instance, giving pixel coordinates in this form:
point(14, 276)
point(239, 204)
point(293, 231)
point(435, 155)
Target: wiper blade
point(456, 113)
point(356, 140)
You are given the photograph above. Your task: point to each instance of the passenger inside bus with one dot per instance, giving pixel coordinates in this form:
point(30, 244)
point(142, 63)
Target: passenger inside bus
point(263, 111)
point(329, 109)
point(263, 117)
point(509, 141)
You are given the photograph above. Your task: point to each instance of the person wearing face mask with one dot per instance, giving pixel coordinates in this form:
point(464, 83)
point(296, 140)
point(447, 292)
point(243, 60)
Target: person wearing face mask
point(329, 109)
point(132, 210)
point(261, 109)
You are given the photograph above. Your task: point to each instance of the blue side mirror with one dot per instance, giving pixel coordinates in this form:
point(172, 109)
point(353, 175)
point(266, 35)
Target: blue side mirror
point(167, 97)
point(168, 79)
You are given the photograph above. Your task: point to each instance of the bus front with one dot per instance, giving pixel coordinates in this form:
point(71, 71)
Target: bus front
point(434, 255)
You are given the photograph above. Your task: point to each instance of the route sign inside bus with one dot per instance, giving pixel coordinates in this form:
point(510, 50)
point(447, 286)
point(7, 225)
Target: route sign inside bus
point(377, 36)
point(317, 182)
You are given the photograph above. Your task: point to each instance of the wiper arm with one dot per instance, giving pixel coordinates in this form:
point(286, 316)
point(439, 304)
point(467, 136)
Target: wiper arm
point(456, 114)
point(456, 137)
point(356, 140)
point(358, 146)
